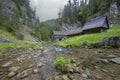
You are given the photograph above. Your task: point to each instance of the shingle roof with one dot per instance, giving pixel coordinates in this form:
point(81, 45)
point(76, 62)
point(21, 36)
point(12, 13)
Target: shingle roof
point(95, 23)
point(67, 33)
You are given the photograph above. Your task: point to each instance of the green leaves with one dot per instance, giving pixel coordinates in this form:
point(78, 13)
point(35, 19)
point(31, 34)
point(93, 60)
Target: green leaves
point(62, 64)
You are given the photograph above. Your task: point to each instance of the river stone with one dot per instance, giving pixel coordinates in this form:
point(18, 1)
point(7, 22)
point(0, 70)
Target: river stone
point(98, 76)
point(22, 74)
point(11, 74)
point(39, 65)
point(84, 75)
point(116, 60)
point(25, 73)
point(71, 77)
point(35, 71)
point(1, 60)
point(7, 64)
point(58, 78)
point(111, 56)
point(14, 69)
point(104, 60)
point(30, 66)
point(65, 77)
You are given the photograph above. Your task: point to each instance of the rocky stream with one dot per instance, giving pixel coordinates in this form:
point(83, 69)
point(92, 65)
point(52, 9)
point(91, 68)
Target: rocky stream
point(31, 64)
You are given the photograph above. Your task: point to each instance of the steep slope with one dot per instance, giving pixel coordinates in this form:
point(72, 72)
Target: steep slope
point(53, 24)
point(15, 14)
point(18, 23)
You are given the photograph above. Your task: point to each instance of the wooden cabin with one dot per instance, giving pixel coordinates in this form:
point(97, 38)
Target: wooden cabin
point(96, 25)
point(61, 35)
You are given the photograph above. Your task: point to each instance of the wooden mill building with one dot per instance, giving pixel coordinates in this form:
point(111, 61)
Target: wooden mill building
point(60, 35)
point(96, 25)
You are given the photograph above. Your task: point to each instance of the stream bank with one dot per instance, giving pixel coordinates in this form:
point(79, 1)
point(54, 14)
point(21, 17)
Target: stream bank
point(31, 64)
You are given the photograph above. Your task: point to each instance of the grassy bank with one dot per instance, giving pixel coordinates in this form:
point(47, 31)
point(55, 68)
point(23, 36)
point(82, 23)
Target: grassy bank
point(16, 43)
point(89, 38)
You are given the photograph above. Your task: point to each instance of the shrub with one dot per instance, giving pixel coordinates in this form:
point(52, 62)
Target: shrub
point(63, 64)
point(4, 46)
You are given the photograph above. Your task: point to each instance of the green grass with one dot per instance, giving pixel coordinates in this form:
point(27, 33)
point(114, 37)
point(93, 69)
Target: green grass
point(7, 35)
point(24, 44)
point(4, 46)
point(16, 43)
point(89, 38)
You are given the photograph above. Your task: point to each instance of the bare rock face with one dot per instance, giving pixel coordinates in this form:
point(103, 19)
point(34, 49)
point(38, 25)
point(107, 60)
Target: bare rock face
point(114, 14)
point(114, 10)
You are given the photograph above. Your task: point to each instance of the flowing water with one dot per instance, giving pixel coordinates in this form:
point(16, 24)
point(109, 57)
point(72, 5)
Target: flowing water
point(48, 57)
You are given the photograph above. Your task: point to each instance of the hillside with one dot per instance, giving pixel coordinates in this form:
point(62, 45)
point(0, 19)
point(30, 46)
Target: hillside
point(53, 24)
point(89, 38)
point(18, 23)
point(15, 15)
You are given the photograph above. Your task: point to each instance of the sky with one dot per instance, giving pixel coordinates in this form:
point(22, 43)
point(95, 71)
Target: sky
point(47, 9)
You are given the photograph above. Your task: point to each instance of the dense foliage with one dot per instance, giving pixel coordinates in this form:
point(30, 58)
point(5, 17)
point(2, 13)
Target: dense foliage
point(47, 28)
point(84, 10)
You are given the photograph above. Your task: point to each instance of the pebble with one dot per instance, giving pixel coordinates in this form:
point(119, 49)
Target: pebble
point(25, 73)
point(57, 78)
point(11, 74)
point(14, 69)
point(65, 77)
point(39, 65)
point(98, 76)
point(84, 75)
point(30, 66)
point(71, 77)
point(111, 56)
point(7, 64)
point(22, 74)
point(104, 60)
point(1, 59)
point(35, 71)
